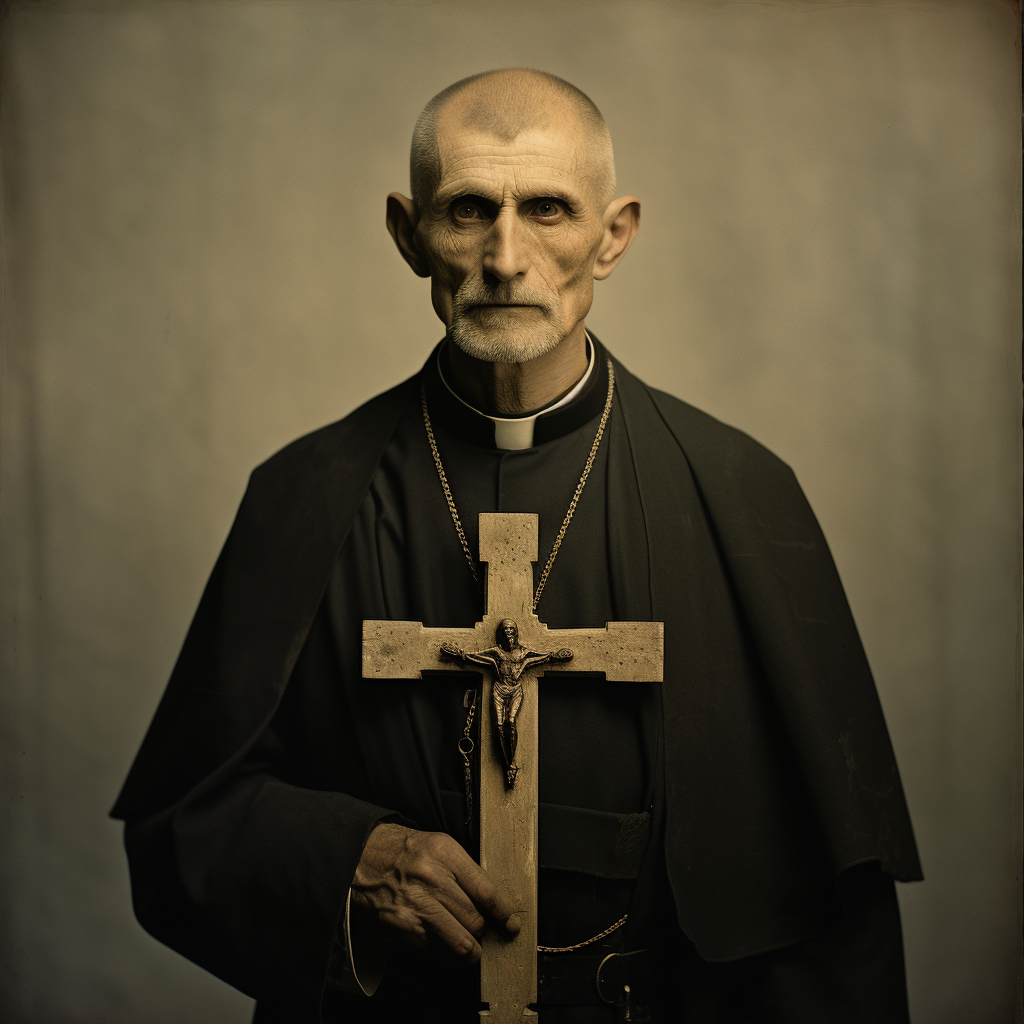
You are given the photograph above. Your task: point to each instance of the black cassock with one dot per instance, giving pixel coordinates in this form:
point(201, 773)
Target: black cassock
point(716, 809)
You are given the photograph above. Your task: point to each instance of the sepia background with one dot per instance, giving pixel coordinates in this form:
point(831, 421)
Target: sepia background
point(197, 271)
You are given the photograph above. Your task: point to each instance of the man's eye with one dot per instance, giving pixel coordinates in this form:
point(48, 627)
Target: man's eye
point(546, 210)
point(466, 211)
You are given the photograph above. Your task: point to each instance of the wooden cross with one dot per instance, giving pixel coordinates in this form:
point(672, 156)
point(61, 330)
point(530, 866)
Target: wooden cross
point(625, 651)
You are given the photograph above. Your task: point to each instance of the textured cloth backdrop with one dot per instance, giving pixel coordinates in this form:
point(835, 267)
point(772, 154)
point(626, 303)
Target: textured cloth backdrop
point(197, 271)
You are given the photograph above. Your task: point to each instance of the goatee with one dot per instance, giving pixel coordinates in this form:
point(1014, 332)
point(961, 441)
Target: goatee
point(493, 335)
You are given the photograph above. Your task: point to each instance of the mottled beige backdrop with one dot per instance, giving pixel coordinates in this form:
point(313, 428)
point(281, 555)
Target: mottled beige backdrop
point(197, 271)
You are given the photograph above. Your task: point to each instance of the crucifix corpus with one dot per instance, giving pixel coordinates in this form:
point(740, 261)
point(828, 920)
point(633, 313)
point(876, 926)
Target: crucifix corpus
point(511, 644)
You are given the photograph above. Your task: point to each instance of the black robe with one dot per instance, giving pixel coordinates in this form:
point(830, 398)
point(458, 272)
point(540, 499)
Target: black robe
point(763, 758)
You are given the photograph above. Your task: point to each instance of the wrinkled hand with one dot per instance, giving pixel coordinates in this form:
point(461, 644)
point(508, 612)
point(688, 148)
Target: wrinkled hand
point(451, 650)
point(424, 888)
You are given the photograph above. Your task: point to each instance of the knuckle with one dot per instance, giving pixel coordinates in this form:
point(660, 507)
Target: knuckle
point(420, 864)
point(417, 842)
point(404, 920)
point(487, 892)
point(429, 876)
point(438, 844)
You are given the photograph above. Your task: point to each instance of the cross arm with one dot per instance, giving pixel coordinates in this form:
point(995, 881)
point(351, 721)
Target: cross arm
point(629, 652)
point(393, 649)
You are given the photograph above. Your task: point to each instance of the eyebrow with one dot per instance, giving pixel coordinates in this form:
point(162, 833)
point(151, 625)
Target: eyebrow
point(445, 196)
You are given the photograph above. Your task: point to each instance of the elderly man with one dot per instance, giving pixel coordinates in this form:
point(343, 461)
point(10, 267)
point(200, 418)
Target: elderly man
point(737, 829)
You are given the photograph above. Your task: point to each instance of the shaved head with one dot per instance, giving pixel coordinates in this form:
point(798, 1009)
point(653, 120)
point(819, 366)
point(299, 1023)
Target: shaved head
point(506, 103)
point(513, 217)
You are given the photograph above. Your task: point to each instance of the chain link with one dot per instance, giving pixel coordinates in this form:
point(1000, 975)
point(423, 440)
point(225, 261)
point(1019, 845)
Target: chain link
point(466, 743)
point(572, 504)
point(579, 486)
point(586, 942)
point(466, 748)
point(444, 483)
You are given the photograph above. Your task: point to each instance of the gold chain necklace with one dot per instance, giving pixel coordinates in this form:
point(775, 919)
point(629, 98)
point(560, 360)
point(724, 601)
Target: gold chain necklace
point(466, 743)
point(572, 504)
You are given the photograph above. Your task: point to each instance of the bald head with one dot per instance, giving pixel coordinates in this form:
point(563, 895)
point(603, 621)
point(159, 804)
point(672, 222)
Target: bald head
point(505, 104)
point(513, 218)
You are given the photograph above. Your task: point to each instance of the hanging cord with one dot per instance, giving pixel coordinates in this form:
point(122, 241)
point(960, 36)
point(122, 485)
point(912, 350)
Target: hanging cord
point(579, 486)
point(442, 476)
point(444, 484)
point(466, 744)
point(586, 942)
point(466, 748)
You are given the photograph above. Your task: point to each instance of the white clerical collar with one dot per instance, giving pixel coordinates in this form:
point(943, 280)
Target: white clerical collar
point(514, 433)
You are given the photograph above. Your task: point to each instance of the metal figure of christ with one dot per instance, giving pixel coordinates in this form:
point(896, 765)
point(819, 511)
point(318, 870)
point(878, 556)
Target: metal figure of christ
point(620, 651)
point(509, 660)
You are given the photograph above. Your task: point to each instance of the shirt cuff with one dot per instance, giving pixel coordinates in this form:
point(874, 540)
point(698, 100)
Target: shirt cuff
point(344, 972)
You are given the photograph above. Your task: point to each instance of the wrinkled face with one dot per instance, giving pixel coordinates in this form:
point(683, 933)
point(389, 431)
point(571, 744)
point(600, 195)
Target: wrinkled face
point(511, 238)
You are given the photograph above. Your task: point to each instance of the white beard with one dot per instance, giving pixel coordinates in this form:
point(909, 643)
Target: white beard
point(496, 337)
point(492, 346)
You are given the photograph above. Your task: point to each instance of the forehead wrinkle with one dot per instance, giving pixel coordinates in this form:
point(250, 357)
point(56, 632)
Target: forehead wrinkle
point(508, 104)
point(499, 193)
point(554, 143)
point(537, 169)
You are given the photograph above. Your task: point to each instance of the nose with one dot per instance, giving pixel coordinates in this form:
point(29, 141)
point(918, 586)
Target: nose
point(506, 250)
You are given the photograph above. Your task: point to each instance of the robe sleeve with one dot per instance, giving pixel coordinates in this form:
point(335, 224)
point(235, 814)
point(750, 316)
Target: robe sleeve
point(252, 879)
point(237, 863)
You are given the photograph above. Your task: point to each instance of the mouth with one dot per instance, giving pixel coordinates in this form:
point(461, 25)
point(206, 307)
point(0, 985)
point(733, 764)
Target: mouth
point(503, 305)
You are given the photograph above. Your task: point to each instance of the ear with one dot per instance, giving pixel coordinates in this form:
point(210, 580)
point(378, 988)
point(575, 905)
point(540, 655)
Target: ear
point(401, 221)
point(621, 224)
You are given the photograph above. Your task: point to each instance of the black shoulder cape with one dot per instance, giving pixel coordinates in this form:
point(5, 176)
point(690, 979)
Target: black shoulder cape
point(778, 770)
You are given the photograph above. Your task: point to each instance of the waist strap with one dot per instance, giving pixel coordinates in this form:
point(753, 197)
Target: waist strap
point(596, 980)
point(594, 843)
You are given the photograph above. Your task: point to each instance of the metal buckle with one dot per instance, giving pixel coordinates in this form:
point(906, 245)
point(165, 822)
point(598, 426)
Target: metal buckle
point(624, 983)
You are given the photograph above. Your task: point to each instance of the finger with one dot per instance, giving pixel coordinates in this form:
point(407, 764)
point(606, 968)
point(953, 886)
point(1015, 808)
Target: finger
point(465, 912)
point(432, 876)
point(453, 898)
point(447, 930)
point(423, 923)
point(482, 890)
point(474, 882)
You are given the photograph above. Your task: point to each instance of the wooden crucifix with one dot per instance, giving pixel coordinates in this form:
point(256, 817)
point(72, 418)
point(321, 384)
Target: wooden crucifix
point(511, 644)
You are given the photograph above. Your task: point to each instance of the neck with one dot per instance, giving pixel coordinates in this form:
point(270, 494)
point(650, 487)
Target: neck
point(511, 389)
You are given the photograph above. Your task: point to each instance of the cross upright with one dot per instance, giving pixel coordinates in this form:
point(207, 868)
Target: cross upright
point(621, 651)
